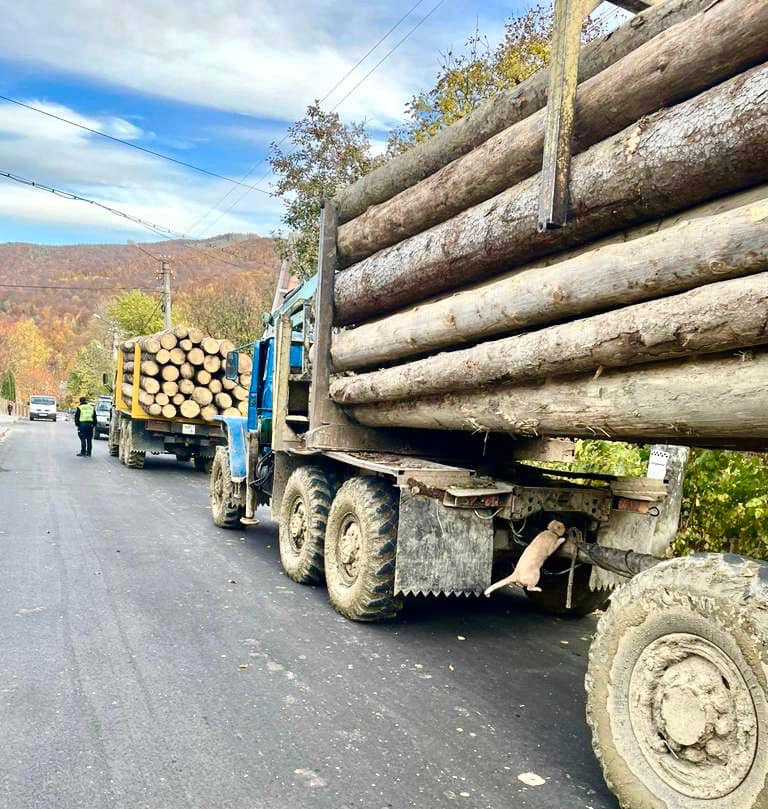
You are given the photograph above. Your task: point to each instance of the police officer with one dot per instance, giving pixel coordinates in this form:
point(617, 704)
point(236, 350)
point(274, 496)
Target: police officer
point(85, 421)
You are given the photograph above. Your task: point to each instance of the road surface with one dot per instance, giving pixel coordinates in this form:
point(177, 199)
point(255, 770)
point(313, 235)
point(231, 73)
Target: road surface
point(149, 660)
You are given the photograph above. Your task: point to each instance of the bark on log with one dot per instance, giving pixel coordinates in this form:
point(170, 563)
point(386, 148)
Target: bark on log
point(195, 356)
point(244, 363)
point(177, 399)
point(225, 346)
point(719, 317)
point(145, 399)
point(240, 393)
point(181, 332)
point(209, 412)
point(696, 54)
point(187, 370)
point(215, 386)
point(228, 384)
point(149, 368)
point(149, 344)
point(170, 373)
point(169, 411)
point(710, 401)
point(680, 257)
point(212, 363)
point(155, 409)
point(245, 381)
point(210, 345)
point(202, 396)
point(186, 344)
point(203, 377)
point(178, 356)
point(195, 336)
point(168, 340)
point(162, 399)
point(163, 356)
point(170, 388)
point(186, 386)
point(189, 409)
point(506, 109)
point(223, 400)
point(712, 144)
point(149, 384)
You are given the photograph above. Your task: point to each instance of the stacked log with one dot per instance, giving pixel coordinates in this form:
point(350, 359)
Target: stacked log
point(644, 318)
point(181, 375)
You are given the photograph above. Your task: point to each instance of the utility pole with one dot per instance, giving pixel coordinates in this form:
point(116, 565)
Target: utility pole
point(165, 275)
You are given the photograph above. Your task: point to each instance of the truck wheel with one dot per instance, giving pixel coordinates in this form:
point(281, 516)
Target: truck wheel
point(360, 546)
point(554, 594)
point(132, 458)
point(226, 505)
point(203, 463)
point(303, 518)
point(676, 684)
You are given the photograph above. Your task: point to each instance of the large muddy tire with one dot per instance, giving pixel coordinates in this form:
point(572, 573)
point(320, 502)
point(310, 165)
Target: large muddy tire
point(121, 442)
point(360, 547)
point(132, 458)
point(303, 518)
point(227, 506)
point(554, 593)
point(204, 463)
point(677, 686)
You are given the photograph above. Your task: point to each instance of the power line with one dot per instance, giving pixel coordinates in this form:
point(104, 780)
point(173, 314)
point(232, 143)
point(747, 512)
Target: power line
point(357, 64)
point(64, 286)
point(133, 145)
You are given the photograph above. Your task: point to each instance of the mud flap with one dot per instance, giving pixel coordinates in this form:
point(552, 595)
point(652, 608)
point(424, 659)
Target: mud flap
point(440, 549)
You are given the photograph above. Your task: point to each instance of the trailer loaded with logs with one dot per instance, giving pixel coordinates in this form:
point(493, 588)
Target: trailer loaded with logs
point(592, 268)
point(169, 389)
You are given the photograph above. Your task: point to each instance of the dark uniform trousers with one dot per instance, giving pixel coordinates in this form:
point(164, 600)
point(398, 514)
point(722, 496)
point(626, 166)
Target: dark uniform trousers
point(85, 431)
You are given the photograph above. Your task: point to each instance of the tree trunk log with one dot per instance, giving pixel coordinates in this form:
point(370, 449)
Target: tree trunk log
point(155, 409)
point(230, 411)
point(145, 399)
point(681, 256)
point(215, 386)
point(195, 336)
point(245, 381)
point(210, 345)
point(225, 347)
point(223, 400)
point(242, 407)
point(712, 144)
point(162, 399)
point(181, 332)
point(725, 316)
point(169, 411)
point(244, 364)
point(209, 412)
point(189, 409)
point(506, 109)
point(240, 393)
point(709, 401)
point(178, 356)
point(170, 373)
point(163, 356)
point(170, 387)
point(203, 377)
point(187, 370)
point(168, 340)
point(186, 386)
point(149, 368)
point(212, 363)
point(202, 396)
point(195, 356)
point(228, 384)
point(692, 56)
point(150, 384)
point(186, 344)
point(178, 398)
point(149, 344)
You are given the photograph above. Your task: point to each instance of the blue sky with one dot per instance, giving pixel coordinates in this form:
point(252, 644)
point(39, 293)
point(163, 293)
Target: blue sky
point(210, 82)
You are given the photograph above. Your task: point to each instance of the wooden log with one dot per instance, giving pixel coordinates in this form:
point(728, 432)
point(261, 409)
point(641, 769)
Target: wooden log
point(155, 409)
point(210, 345)
point(504, 110)
point(223, 400)
point(712, 144)
point(212, 363)
point(187, 370)
point(240, 393)
point(127, 346)
point(149, 384)
point(186, 386)
point(195, 336)
point(189, 409)
point(709, 401)
point(186, 344)
point(170, 373)
point(170, 387)
point(149, 368)
point(163, 356)
point(209, 412)
point(225, 346)
point(149, 344)
point(242, 407)
point(178, 398)
point(181, 332)
point(203, 377)
point(725, 316)
point(245, 381)
point(145, 399)
point(162, 399)
point(678, 257)
point(202, 396)
point(244, 363)
point(195, 356)
point(178, 356)
point(230, 411)
point(712, 46)
point(228, 384)
point(215, 386)
point(168, 340)
point(128, 367)
point(169, 411)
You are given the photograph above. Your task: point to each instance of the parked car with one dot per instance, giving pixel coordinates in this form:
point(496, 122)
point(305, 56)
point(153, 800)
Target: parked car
point(103, 414)
point(42, 408)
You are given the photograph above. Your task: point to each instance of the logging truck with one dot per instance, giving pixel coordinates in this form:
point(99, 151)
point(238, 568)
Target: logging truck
point(533, 274)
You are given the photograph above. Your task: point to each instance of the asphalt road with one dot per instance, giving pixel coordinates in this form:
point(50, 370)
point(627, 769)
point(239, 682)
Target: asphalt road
point(151, 660)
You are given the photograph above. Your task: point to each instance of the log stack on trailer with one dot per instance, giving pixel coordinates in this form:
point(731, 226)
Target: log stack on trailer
point(460, 313)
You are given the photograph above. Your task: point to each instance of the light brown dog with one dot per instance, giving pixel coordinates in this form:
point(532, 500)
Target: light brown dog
point(528, 568)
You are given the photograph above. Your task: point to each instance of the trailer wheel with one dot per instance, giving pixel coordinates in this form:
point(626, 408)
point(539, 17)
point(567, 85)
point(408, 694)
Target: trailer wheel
point(203, 463)
point(113, 438)
point(360, 546)
point(226, 504)
point(554, 593)
point(303, 518)
point(132, 458)
point(677, 693)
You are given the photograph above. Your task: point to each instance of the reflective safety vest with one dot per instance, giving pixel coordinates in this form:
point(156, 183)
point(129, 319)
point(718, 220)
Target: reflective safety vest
point(86, 413)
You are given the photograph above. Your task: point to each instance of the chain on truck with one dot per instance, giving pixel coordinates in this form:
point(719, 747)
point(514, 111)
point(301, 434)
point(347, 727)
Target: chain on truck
point(381, 497)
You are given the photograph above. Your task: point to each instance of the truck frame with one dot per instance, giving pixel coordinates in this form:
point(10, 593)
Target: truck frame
point(133, 432)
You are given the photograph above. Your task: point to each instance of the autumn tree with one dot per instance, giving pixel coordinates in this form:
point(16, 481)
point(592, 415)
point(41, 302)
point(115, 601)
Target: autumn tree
point(8, 388)
point(92, 364)
point(322, 154)
point(136, 313)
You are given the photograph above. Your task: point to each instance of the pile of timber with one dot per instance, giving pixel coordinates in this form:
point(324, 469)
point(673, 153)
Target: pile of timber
point(181, 375)
point(644, 318)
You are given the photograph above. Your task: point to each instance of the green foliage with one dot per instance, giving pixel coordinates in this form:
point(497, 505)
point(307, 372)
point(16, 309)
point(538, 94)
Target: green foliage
point(322, 155)
point(136, 313)
point(611, 458)
point(8, 389)
point(93, 361)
